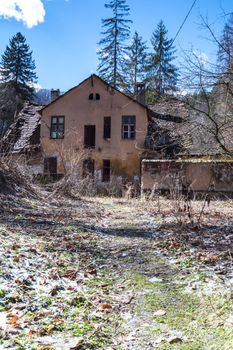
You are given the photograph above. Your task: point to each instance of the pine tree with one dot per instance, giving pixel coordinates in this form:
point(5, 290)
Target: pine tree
point(17, 75)
point(112, 51)
point(17, 66)
point(162, 74)
point(136, 63)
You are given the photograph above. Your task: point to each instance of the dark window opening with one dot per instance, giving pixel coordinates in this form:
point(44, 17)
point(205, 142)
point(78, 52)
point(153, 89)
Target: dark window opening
point(97, 96)
point(88, 168)
point(57, 127)
point(128, 126)
point(50, 166)
point(89, 136)
point(106, 172)
point(91, 97)
point(107, 127)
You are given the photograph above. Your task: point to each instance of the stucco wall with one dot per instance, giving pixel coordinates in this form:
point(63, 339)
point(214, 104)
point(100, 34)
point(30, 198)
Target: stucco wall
point(200, 175)
point(78, 110)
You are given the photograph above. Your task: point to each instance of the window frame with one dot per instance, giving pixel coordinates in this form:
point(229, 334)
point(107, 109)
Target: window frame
point(106, 170)
point(50, 163)
point(107, 128)
point(92, 144)
point(128, 129)
point(60, 134)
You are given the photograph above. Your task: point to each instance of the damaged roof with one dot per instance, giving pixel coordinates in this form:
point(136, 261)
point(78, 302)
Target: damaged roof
point(168, 124)
point(188, 128)
point(24, 133)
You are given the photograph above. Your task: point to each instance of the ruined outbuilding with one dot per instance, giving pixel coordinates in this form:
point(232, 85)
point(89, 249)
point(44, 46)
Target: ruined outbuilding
point(22, 140)
point(185, 150)
point(23, 135)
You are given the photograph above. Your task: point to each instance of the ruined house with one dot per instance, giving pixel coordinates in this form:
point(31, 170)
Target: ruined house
point(184, 150)
point(101, 125)
point(115, 136)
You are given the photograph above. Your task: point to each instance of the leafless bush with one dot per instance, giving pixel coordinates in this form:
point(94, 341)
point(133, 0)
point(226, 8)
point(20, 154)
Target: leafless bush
point(131, 190)
point(180, 201)
point(73, 183)
point(15, 177)
point(114, 188)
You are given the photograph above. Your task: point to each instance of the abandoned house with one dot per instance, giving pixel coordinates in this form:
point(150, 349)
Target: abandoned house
point(101, 125)
point(113, 135)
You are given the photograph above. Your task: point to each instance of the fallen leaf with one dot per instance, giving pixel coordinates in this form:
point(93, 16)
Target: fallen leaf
point(91, 272)
point(16, 258)
point(70, 274)
point(105, 307)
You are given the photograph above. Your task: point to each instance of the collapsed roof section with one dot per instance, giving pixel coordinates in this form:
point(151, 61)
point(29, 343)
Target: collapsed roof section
point(24, 134)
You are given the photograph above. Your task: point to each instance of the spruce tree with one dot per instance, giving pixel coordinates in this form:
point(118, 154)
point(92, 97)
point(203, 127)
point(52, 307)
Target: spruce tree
point(17, 66)
point(162, 74)
point(136, 63)
point(17, 75)
point(112, 45)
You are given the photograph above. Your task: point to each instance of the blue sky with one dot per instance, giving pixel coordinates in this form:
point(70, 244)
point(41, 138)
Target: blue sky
point(63, 34)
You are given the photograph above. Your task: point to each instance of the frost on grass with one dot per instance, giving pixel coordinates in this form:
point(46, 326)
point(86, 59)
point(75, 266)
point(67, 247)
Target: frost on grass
point(103, 273)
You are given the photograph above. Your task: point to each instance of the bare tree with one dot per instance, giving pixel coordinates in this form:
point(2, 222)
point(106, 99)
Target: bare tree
point(210, 96)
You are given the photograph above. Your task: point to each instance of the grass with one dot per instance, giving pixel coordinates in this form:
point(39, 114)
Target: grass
point(200, 319)
point(78, 270)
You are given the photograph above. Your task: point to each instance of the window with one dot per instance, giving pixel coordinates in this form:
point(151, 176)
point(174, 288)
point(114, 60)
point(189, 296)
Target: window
point(88, 167)
point(128, 126)
point(97, 96)
point(57, 127)
point(89, 136)
point(50, 165)
point(106, 170)
point(107, 127)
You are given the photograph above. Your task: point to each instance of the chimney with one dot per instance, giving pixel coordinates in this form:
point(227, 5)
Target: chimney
point(141, 93)
point(54, 94)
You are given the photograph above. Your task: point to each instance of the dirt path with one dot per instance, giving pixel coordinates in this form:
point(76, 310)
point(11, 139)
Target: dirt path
point(180, 296)
point(110, 274)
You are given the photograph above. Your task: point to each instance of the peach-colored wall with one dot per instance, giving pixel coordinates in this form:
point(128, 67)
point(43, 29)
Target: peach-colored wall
point(200, 175)
point(79, 111)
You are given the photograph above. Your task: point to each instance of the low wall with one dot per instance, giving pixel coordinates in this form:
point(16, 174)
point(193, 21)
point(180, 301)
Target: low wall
point(200, 175)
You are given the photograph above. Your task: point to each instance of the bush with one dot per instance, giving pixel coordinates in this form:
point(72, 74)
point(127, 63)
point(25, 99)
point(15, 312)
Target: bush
point(14, 177)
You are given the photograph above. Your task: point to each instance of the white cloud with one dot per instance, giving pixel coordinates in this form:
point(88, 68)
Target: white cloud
point(31, 12)
point(202, 57)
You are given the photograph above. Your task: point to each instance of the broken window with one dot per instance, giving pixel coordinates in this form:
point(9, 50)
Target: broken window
point(91, 97)
point(106, 172)
point(88, 167)
point(128, 126)
point(50, 166)
point(97, 96)
point(57, 127)
point(89, 136)
point(107, 127)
